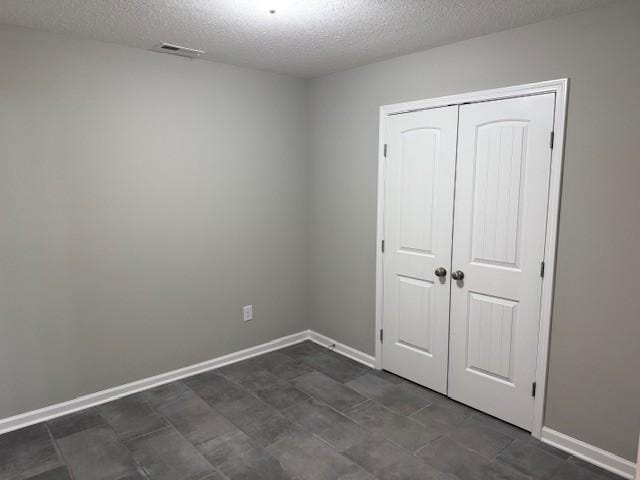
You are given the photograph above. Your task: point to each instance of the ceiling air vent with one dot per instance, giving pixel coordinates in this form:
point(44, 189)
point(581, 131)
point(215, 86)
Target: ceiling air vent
point(177, 50)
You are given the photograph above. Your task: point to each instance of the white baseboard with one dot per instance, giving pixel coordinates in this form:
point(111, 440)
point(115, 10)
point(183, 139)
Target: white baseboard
point(86, 401)
point(80, 403)
point(578, 448)
point(342, 349)
point(589, 453)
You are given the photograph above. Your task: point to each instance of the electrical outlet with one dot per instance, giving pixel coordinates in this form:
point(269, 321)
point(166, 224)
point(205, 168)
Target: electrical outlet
point(247, 312)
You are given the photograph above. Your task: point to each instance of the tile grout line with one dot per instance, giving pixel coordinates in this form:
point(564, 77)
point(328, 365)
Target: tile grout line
point(476, 420)
point(235, 424)
point(297, 424)
point(410, 452)
point(170, 424)
point(61, 456)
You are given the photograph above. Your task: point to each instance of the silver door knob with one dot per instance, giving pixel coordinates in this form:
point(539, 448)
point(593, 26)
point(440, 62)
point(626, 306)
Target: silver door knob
point(457, 275)
point(440, 272)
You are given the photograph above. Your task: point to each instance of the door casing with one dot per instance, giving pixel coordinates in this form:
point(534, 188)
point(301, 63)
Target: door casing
point(560, 88)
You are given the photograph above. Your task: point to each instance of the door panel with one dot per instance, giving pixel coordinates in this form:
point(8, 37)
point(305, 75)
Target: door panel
point(420, 169)
point(497, 181)
point(491, 322)
point(502, 181)
point(414, 305)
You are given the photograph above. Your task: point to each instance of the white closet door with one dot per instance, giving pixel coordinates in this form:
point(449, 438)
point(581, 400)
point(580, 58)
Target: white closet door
point(420, 168)
point(502, 184)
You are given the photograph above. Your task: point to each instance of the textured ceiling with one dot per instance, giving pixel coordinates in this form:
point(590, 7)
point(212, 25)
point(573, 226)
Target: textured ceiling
point(305, 38)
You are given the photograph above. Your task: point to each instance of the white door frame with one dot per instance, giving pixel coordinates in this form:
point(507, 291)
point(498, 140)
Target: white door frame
point(560, 88)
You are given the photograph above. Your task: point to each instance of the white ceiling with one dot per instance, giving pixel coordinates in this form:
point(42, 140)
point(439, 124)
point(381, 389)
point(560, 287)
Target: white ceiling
point(305, 38)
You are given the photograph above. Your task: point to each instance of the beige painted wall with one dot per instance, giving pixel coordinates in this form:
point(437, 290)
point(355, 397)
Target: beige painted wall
point(144, 199)
point(594, 386)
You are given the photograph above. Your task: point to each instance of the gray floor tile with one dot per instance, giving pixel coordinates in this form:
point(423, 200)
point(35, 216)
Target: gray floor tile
point(388, 376)
point(287, 420)
point(234, 371)
point(164, 393)
point(248, 409)
point(27, 452)
point(573, 471)
point(268, 431)
point(255, 380)
point(339, 368)
point(97, 454)
point(495, 470)
point(397, 428)
point(375, 455)
point(302, 349)
point(528, 459)
point(334, 428)
point(270, 361)
point(433, 396)
point(166, 455)
point(214, 388)
point(131, 416)
point(504, 427)
point(476, 436)
point(329, 391)
point(254, 466)
point(404, 399)
point(370, 385)
point(517, 434)
point(282, 395)
point(139, 475)
point(448, 414)
point(448, 456)
point(546, 447)
point(215, 476)
point(234, 444)
point(264, 468)
point(76, 422)
point(306, 457)
point(545, 463)
point(194, 418)
point(595, 469)
point(273, 363)
point(413, 469)
point(291, 369)
point(239, 457)
point(60, 473)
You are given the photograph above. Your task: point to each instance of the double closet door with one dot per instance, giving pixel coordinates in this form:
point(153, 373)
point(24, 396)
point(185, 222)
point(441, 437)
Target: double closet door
point(466, 195)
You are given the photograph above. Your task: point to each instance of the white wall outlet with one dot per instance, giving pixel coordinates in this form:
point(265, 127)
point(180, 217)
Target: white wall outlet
point(247, 312)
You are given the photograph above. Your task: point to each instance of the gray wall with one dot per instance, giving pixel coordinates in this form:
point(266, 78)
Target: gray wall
point(143, 200)
point(594, 386)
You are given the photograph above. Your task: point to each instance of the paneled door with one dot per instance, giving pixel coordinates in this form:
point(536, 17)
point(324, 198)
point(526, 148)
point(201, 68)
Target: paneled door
point(502, 186)
point(419, 181)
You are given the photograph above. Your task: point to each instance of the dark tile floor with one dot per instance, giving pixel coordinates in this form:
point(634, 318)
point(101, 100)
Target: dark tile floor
point(301, 413)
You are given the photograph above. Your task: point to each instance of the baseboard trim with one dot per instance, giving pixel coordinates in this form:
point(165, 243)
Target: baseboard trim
point(589, 453)
point(343, 349)
point(80, 403)
point(103, 396)
point(578, 448)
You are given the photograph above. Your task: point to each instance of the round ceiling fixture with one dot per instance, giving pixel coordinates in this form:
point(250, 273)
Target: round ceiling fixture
point(272, 11)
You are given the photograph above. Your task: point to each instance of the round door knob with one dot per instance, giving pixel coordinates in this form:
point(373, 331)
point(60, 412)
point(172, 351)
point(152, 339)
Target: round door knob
point(440, 272)
point(457, 275)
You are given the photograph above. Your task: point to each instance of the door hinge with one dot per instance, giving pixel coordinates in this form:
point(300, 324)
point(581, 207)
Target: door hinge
point(381, 335)
point(542, 269)
point(533, 389)
point(382, 246)
point(385, 150)
point(551, 139)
